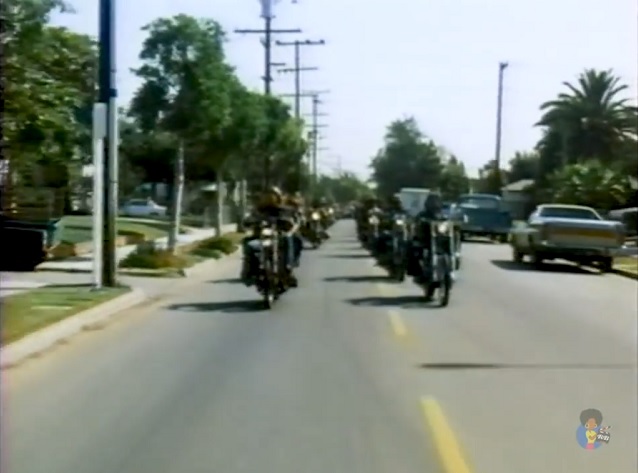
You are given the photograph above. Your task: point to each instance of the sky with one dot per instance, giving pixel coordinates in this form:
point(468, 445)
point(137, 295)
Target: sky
point(436, 60)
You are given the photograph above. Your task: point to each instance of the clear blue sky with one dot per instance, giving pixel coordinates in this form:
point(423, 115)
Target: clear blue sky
point(436, 60)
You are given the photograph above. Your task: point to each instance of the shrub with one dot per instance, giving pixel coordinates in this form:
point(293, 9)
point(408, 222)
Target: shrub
point(150, 257)
point(222, 244)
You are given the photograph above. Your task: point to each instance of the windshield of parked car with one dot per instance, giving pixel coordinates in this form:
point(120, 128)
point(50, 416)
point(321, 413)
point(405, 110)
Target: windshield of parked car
point(479, 203)
point(569, 212)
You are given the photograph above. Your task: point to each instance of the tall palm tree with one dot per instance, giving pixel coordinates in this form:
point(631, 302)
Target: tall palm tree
point(591, 118)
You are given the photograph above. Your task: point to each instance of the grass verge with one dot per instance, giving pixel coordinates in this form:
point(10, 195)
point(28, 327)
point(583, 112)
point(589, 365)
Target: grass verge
point(79, 228)
point(627, 264)
point(27, 312)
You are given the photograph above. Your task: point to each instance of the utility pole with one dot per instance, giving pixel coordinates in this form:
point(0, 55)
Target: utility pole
point(268, 31)
point(108, 97)
point(298, 69)
point(312, 138)
point(499, 119)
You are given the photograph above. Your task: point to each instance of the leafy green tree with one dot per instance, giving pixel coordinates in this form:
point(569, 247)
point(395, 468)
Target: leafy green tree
point(342, 189)
point(408, 159)
point(591, 183)
point(454, 180)
point(523, 166)
point(186, 89)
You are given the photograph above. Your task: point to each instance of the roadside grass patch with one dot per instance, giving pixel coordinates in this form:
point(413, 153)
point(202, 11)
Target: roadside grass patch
point(37, 308)
point(627, 264)
point(79, 228)
point(151, 257)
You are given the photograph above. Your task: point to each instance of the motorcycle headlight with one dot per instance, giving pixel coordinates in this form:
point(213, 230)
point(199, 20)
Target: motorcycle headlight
point(443, 227)
point(373, 220)
point(315, 215)
point(399, 222)
point(267, 232)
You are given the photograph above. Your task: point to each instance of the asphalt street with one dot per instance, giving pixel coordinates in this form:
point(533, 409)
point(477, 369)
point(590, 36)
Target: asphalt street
point(350, 373)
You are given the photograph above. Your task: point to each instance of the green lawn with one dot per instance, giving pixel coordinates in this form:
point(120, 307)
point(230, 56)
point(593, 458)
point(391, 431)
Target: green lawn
point(627, 264)
point(35, 309)
point(78, 229)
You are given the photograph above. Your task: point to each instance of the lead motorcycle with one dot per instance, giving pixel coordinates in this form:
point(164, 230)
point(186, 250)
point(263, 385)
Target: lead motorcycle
point(438, 263)
point(269, 282)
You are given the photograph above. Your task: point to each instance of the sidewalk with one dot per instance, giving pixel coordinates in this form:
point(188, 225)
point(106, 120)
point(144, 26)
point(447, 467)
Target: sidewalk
point(74, 270)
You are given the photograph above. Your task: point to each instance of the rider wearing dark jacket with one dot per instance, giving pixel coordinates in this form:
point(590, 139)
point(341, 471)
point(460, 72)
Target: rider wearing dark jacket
point(270, 207)
point(431, 214)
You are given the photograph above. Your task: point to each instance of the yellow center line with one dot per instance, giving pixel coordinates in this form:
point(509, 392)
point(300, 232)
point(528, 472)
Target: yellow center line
point(445, 441)
point(398, 326)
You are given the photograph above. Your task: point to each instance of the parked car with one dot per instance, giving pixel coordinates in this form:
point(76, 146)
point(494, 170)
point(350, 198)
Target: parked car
point(143, 208)
point(570, 232)
point(483, 215)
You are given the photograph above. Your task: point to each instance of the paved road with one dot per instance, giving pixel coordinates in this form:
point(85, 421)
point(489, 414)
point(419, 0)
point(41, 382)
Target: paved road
point(334, 378)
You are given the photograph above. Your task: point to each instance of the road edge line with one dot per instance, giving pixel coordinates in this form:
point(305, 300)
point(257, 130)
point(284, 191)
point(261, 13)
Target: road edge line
point(445, 442)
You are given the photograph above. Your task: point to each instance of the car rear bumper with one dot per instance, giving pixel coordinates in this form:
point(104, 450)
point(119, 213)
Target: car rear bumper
point(558, 251)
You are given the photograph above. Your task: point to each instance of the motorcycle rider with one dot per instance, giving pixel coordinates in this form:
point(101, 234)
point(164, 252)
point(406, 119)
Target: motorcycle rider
point(270, 206)
point(295, 203)
point(432, 214)
point(393, 210)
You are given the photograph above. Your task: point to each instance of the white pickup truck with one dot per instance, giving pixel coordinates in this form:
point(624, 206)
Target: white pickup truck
point(570, 232)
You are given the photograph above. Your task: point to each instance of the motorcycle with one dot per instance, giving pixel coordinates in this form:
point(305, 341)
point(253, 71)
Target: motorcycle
point(314, 231)
point(269, 282)
point(397, 266)
point(439, 262)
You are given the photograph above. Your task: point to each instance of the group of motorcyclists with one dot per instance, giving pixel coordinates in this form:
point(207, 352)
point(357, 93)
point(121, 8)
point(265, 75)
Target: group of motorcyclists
point(424, 246)
point(277, 227)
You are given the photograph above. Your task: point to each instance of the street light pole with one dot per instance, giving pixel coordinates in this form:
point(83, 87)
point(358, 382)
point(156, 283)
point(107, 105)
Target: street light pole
point(499, 118)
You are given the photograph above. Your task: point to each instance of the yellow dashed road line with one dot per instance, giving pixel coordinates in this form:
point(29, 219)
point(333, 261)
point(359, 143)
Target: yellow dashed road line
point(445, 442)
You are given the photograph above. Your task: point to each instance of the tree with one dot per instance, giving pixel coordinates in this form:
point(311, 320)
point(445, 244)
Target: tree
point(343, 189)
point(591, 183)
point(591, 120)
point(454, 180)
point(408, 159)
point(523, 166)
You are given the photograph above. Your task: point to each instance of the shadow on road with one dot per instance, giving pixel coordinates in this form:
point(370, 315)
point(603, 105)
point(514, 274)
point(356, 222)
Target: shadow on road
point(368, 278)
point(226, 281)
point(533, 366)
point(227, 306)
point(405, 302)
point(349, 256)
point(545, 268)
point(478, 241)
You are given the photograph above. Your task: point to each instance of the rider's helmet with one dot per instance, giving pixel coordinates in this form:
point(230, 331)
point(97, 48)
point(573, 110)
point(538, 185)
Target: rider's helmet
point(295, 200)
point(433, 205)
point(394, 203)
point(272, 196)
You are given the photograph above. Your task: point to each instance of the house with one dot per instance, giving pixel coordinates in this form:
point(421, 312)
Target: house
point(516, 198)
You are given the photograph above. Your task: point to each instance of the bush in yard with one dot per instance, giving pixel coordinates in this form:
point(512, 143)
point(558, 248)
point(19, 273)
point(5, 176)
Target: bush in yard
point(221, 244)
point(150, 257)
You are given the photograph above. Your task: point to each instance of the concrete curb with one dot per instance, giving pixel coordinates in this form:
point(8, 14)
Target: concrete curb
point(50, 336)
point(626, 274)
